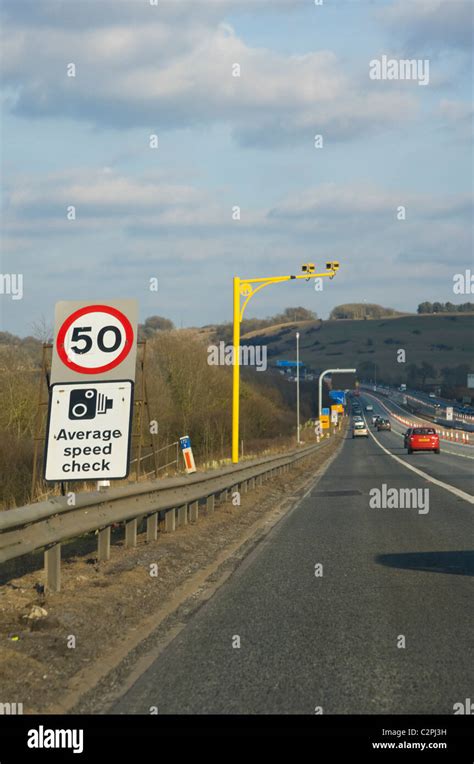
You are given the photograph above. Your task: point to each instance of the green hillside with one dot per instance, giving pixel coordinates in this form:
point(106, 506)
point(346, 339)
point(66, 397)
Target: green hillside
point(438, 340)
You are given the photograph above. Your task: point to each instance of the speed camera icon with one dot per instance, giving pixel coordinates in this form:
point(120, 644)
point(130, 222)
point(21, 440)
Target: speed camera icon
point(87, 404)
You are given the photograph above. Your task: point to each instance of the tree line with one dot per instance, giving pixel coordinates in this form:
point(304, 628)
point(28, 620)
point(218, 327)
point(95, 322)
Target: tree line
point(361, 310)
point(445, 307)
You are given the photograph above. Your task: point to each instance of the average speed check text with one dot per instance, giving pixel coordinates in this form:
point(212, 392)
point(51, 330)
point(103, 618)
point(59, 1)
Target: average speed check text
point(106, 436)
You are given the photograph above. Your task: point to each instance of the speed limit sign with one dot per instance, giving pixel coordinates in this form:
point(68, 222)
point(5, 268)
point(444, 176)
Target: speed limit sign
point(94, 341)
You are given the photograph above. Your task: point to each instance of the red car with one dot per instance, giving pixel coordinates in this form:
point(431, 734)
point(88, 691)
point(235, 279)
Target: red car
point(422, 439)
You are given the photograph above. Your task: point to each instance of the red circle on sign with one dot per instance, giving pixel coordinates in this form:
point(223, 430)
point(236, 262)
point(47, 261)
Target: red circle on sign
point(82, 312)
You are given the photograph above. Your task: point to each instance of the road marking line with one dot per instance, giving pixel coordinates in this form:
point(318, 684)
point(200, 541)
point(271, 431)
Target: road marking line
point(443, 450)
point(457, 491)
point(381, 403)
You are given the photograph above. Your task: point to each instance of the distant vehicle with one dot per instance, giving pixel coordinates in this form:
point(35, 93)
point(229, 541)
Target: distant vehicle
point(432, 395)
point(375, 418)
point(369, 407)
point(383, 424)
point(360, 430)
point(423, 439)
point(402, 388)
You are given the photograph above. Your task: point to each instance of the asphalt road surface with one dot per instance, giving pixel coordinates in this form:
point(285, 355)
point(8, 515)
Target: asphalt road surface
point(455, 464)
point(335, 641)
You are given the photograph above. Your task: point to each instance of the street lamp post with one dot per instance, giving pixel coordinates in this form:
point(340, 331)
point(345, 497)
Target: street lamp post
point(298, 388)
point(245, 288)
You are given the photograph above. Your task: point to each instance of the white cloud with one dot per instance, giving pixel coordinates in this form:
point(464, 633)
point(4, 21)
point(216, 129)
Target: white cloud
point(430, 24)
point(169, 74)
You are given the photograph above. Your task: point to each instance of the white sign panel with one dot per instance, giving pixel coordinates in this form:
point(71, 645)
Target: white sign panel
point(89, 428)
point(449, 413)
point(334, 417)
point(94, 341)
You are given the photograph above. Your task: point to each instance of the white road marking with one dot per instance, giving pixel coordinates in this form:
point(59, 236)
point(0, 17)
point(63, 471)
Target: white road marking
point(422, 424)
point(451, 488)
point(443, 450)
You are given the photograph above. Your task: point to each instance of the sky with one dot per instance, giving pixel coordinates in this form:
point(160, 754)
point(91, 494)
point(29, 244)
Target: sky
point(167, 68)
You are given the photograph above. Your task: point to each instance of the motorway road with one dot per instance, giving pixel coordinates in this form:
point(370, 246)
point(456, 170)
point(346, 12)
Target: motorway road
point(455, 464)
point(331, 641)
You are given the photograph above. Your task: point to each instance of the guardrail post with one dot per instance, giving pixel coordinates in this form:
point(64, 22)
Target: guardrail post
point(52, 568)
point(223, 496)
point(103, 545)
point(244, 487)
point(131, 533)
point(193, 511)
point(259, 479)
point(170, 521)
point(252, 483)
point(152, 527)
point(210, 503)
point(183, 515)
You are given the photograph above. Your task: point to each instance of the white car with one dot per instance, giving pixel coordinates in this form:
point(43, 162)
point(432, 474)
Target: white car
point(360, 430)
point(369, 407)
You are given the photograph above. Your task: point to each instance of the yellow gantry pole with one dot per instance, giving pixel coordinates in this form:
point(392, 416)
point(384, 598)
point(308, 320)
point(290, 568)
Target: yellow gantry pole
point(249, 292)
point(236, 372)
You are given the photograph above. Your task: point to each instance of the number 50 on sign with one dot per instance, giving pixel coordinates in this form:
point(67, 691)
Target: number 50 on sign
point(94, 341)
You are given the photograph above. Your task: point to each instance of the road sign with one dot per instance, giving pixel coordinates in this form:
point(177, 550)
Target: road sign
point(338, 396)
point(94, 341)
point(324, 421)
point(334, 416)
point(449, 413)
point(185, 443)
point(318, 430)
point(89, 428)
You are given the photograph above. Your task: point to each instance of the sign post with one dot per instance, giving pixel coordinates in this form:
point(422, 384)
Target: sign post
point(94, 341)
point(185, 444)
point(88, 431)
point(91, 391)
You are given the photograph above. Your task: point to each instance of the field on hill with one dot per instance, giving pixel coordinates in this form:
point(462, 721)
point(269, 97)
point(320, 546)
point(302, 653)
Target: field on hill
point(445, 340)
